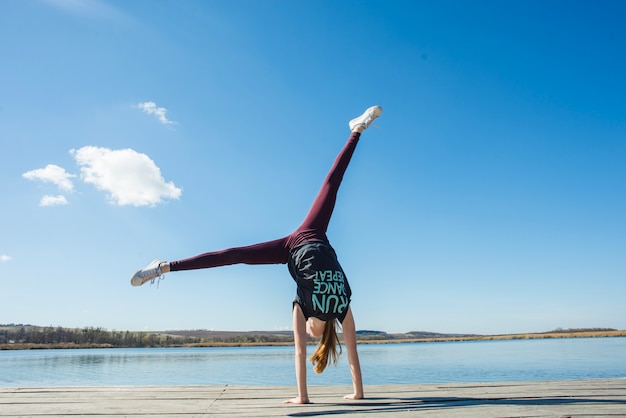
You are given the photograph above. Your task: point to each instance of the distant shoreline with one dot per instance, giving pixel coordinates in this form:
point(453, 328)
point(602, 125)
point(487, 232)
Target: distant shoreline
point(527, 336)
point(367, 339)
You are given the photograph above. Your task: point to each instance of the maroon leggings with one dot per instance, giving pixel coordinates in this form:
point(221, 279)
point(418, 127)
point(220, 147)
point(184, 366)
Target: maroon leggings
point(313, 228)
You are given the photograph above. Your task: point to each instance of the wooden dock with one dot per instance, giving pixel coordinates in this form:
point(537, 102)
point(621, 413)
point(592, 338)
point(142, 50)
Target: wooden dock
point(570, 398)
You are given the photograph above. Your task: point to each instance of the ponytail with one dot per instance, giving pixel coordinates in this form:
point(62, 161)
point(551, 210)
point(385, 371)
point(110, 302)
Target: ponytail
point(327, 347)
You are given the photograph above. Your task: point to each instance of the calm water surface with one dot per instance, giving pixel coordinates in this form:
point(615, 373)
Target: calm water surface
point(480, 361)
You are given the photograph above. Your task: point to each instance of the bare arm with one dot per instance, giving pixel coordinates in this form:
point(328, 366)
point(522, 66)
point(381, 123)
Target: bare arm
point(349, 339)
point(299, 336)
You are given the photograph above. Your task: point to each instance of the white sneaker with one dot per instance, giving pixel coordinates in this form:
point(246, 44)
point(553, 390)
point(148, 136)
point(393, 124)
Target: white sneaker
point(366, 118)
point(151, 272)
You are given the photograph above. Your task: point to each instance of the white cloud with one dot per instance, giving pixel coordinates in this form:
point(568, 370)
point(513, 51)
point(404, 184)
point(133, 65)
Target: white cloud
point(130, 178)
point(5, 258)
point(152, 109)
point(52, 174)
point(48, 200)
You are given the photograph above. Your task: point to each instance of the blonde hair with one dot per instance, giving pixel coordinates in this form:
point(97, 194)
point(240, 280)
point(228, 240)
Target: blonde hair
point(327, 347)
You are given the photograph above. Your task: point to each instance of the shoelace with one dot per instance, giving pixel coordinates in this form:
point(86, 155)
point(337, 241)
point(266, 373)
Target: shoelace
point(149, 273)
point(159, 277)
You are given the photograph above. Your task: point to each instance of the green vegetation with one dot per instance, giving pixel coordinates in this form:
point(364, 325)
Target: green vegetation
point(19, 336)
point(29, 336)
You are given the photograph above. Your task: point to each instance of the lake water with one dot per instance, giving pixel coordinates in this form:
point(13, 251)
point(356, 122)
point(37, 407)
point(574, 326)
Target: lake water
point(478, 361)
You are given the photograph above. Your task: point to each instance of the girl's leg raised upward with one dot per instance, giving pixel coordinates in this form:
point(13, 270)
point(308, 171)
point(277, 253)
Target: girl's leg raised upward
point(316, 222)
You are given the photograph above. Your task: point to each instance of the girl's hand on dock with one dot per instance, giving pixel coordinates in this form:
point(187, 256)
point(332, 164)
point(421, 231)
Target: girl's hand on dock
point(298, 400)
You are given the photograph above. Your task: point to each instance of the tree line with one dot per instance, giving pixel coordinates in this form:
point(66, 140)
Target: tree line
point(19, 336)
point(87, 337)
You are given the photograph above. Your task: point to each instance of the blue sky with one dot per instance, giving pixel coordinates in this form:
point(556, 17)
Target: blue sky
point(490, 198)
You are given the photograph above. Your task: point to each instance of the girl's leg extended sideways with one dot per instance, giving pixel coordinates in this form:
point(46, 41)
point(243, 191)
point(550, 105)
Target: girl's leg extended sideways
point(270, 252)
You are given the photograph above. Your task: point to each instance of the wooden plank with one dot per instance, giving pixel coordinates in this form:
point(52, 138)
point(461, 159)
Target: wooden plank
point(580, 398)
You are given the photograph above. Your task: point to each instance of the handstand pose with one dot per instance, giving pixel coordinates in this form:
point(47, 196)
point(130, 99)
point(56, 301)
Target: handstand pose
point(323, 293)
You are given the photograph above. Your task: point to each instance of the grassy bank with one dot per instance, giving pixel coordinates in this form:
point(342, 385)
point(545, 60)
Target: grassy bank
point(203, 338)
point(526, 336)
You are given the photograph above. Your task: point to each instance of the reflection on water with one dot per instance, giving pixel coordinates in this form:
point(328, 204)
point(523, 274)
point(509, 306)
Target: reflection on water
point(518, 360)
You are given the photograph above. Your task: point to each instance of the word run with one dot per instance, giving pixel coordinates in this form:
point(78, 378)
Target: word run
point(329, 292)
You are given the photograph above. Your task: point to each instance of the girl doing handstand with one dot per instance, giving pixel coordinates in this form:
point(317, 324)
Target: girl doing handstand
point(323, 292)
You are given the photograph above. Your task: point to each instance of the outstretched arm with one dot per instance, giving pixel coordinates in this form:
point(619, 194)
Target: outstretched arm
point(299, 336)
point(349, 339)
